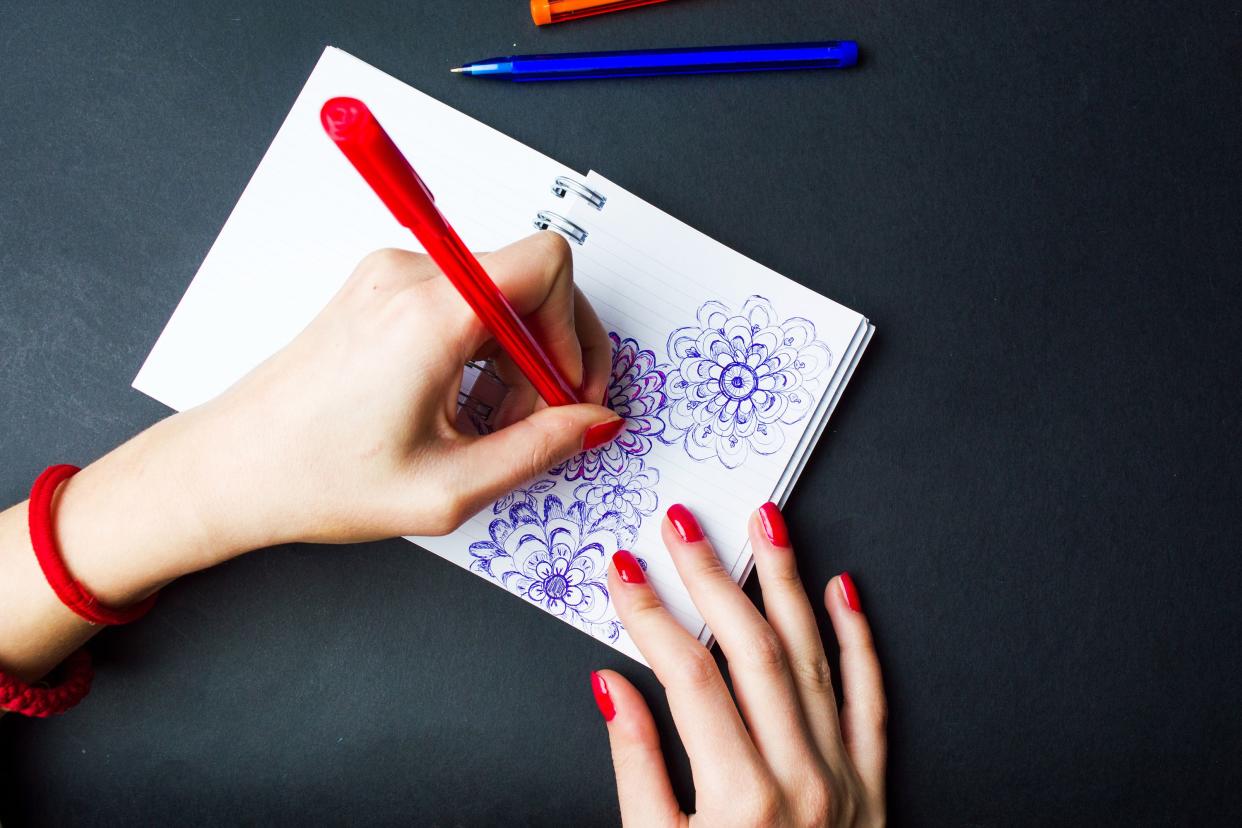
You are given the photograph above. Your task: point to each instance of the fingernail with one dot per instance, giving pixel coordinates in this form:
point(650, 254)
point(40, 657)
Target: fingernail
point(602, 700)
point(684, 523)
point(774, 524)
point(849, 592)
point(601, 433)
point(628, 568)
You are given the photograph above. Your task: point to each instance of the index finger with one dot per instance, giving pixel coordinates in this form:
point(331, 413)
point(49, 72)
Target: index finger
point(720, 750)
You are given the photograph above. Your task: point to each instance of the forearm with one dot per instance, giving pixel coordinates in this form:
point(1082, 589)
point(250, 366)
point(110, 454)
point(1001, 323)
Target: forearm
point(126, 525)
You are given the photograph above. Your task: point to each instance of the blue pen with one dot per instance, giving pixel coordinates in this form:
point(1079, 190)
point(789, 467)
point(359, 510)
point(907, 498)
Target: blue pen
point(698, 60)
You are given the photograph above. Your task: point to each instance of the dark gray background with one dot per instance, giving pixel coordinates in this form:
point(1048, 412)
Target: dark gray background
point(1033, 477)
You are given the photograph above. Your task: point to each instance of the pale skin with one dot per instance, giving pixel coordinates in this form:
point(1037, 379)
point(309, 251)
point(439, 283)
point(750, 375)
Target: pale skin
point(347, 435)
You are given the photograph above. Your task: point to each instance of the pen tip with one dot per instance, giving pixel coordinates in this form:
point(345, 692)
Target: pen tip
point(458, 69)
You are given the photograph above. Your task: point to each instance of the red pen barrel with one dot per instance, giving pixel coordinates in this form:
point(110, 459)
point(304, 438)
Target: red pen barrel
point(367, 145)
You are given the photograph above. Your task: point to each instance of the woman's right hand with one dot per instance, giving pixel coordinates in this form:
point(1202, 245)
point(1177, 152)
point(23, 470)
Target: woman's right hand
point(783, 755)
point(348, 433)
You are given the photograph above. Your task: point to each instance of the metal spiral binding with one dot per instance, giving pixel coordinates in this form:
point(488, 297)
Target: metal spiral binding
point(562, 185)
point(562, 225)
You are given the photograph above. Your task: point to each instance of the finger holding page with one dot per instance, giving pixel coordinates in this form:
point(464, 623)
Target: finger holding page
point(720, 749)
point(758, 663)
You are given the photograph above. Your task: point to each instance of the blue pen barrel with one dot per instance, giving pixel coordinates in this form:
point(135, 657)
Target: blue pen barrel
point(833, 54)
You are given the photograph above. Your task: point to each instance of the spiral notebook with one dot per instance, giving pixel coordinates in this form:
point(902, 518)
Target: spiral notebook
point(726, 372)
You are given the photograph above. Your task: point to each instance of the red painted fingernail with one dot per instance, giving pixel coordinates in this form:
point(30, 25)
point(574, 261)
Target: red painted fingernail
point(684, 523)
point(849, 592)
point(628, 568)
point(774, 524)
point(602, 700)
point(601, 433)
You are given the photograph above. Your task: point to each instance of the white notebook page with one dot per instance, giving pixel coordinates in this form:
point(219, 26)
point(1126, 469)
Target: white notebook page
point(306, 219)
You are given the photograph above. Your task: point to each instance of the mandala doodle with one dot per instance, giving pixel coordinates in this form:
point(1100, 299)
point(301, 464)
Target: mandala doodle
point(556, 558)
point(629, 493)
point(738, 378)
point(636, 394)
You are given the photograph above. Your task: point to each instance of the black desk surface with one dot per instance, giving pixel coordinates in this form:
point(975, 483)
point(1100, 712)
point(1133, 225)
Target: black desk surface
point(1034, 477)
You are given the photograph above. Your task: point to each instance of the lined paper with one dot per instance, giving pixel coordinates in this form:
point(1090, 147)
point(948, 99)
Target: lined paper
point(655, 272)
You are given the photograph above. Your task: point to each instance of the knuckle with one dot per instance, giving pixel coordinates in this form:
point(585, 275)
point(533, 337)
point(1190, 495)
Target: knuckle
point(697, 669)
point(786, 578)
point(817, 803)
point(633, 735)
point(704, 568)
point(764, 652)
point(626, 759)
point(635, 758)
point(382, 261)
point(846, 809)
point(707, 566)
point(555, 246)
point(436, 526)
point(641, 611)
point(764, 807)
point(388, 269)
point(814, 673)
point(541, 450)
point(445, 510)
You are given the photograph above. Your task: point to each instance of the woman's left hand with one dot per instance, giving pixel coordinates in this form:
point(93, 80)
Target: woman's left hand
point(782, 755)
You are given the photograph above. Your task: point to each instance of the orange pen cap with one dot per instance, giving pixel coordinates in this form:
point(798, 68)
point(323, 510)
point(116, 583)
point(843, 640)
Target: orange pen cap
point(558, 11)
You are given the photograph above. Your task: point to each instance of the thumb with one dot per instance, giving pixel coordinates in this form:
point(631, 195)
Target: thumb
point(643, 786)
point(505, 459)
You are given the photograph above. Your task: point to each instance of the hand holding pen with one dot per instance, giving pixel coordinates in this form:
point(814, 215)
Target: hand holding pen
point(357, 133)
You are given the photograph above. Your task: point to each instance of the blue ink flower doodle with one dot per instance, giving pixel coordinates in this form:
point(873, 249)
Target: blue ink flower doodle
point(629, 493)
point(738, 378)
point(526, 495)
point(636, 394)
point(557, 560)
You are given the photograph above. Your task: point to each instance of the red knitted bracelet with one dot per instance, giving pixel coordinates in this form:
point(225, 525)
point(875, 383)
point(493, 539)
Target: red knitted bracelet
point(43, 537)
point(17, 696)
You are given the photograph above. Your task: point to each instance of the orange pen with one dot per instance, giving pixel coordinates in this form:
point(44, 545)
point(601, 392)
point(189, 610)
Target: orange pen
point(558, 11)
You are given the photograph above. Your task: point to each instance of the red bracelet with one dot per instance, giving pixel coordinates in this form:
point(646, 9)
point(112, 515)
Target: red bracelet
point(16, 696)
point(43, 537)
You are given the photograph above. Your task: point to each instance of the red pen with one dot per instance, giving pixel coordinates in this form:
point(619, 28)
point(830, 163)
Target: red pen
point(359, 135)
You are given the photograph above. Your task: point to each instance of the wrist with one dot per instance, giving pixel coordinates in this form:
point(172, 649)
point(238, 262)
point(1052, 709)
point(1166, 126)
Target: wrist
point(154, 509)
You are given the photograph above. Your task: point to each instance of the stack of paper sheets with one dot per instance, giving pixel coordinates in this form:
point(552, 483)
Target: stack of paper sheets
point(725, 371)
